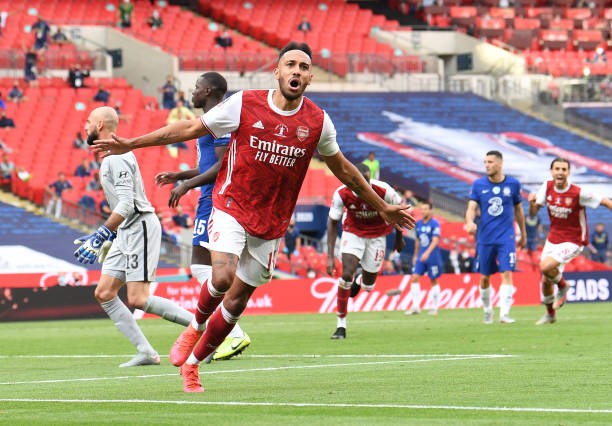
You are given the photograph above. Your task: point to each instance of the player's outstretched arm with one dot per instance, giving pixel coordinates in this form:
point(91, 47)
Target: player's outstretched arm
point(470, 216)
point(606, 203)
point(332, 235)
point(180, 131)
point(534, 207)
point(348, 174)
point(166, 178)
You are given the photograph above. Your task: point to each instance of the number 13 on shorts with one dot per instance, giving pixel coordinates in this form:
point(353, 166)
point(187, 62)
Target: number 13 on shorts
point(273, 256)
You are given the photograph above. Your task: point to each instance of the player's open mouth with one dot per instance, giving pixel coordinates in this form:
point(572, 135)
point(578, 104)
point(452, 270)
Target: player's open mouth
point(294, 83)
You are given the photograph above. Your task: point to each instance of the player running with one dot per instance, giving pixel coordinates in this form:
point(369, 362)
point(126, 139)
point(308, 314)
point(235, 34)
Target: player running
point(209, 91)
point(568, 231)
point(135, 233)
point(426, 259)
point(274, 135)
point(364, 239)
point(499, 198)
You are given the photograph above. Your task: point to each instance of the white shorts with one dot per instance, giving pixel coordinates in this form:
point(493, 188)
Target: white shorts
point(257, 256)
point(369, 251)
point(134, 255)
point(563, 253)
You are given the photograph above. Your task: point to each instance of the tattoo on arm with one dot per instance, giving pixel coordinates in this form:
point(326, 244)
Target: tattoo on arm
point(354, 185)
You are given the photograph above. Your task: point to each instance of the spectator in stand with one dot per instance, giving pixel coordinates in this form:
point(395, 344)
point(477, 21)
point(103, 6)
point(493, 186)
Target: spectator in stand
point(79, 142)
point(304, 26)
point(7, 168)
point(183, 99)
point(42, 29)
point(55, 191)
point(87, 202)
point(168, 90)
point(165, 234)
point(599, 244)
point(6, 121)
point(122, 117)
point(155, 21)
point(409, 199)
point(224, 39)
point(15, 94)
point(102, 95)
point(182, 219)
point(600, 56)
point(83, 169)
point(94, 184)
point(452, 266)
point(30, 70)
point(95, 163)
point(5, 147)
point(292, 240)
point(59, 37)
point(179, 112)
point(76, 76)
point(466, 263)
point(2, 103)
point(373, 164)
point(125, 13)
point(105, 209)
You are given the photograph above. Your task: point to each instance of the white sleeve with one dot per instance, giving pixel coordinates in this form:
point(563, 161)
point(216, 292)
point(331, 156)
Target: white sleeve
point(224, 117)
point(327, 143)
point(541, 195)
point(337, 206)
point(590, 199)
point(392, 197)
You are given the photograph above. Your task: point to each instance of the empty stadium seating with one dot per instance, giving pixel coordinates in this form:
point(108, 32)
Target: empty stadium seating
point(598, 115)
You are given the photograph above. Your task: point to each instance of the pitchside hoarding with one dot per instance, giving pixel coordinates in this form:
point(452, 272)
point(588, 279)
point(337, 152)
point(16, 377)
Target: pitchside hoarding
point(52, 296)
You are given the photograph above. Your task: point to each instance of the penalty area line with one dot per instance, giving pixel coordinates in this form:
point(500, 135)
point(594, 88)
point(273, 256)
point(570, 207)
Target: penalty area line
point(315, 405)
point(249, 370)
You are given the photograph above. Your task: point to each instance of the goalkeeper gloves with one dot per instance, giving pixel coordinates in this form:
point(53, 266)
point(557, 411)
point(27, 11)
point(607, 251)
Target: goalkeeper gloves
point(91, 245)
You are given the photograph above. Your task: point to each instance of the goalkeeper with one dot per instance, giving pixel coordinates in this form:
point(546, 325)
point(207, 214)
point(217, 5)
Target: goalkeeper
point(127, 245)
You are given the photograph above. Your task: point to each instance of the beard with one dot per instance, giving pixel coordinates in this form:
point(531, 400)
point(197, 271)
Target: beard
point(290, 96)
point(91, 137)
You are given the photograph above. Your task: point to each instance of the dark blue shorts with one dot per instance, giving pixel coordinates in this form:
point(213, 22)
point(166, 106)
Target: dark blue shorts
point(492, 258)
point(433, 267)
point(200, 224)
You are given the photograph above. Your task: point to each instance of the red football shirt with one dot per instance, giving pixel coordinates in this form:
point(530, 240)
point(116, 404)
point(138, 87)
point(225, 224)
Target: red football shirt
point(566, 209)
point(361, 218)
point(268, 156)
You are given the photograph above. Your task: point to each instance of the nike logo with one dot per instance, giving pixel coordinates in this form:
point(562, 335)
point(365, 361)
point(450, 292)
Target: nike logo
point(236, 343)
point(258, 125)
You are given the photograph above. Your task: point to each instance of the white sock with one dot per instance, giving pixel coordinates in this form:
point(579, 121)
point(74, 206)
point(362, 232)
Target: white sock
point(415, 291)
point(435, 295)
point(342, 322)
point(236, 332)
point(202, 273)
point(505, 299)
point(485, 297)
point(197, 326)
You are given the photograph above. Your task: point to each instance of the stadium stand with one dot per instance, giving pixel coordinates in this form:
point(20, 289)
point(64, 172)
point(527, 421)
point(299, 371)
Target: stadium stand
point(596, 115)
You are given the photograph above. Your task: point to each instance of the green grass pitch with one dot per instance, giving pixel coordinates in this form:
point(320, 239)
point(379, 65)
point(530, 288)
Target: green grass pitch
point(392, 369)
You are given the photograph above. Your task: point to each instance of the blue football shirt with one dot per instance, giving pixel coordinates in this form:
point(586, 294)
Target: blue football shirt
point(497, 201)
point(207, 157)
point(425, 233)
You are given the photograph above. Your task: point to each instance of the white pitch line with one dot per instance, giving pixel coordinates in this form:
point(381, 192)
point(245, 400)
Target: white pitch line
point(310, 404)
point(279, 356)
point(249, 370)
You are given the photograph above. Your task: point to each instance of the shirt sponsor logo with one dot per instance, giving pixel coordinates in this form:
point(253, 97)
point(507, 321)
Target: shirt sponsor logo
point(275, 153)
point(559, 212)
point(302, 133)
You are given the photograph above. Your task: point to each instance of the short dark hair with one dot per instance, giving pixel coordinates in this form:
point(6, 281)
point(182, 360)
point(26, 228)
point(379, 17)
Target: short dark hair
point(217, 82)
point(560, 160)
point(363, 168)
point(294, 45)
point(496, 153)
point(427, 203)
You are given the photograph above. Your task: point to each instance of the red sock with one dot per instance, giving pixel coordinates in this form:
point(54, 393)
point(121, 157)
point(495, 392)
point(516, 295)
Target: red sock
point(206, 304)
point(216, 331)
point(550, 309)
point(343, 297)
point(561, 284)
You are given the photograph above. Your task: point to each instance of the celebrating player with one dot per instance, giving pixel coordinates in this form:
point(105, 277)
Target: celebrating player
point(499, 198)
point(210, 90)
point(426, 259)
point(363, 241)
point(274, 135)
point(135, 233)
point(568, 231)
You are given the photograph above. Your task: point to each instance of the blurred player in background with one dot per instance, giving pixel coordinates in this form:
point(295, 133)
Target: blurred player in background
point(274, 135)
point(135, 233)
point(209, 91)
point(531, 227)
point(568, 231)
point(499, 199)
point(364, 239)
point(426, 259)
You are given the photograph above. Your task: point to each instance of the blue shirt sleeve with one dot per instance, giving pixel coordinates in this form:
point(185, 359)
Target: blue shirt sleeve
point(516, 197)
point(223, 140)
point(474, 193)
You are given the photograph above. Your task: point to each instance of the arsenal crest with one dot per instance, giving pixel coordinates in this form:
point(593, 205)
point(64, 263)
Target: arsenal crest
point(568, 201)
point(302, 133)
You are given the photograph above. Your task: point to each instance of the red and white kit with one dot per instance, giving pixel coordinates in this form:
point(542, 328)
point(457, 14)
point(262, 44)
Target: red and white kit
point(569, 232)
point(363, 230)
point(261, 174)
